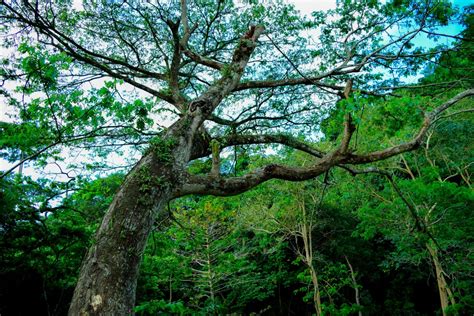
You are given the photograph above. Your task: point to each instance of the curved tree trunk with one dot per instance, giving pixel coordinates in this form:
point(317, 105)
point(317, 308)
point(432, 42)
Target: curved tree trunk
point(109, 273)
point(108, 277)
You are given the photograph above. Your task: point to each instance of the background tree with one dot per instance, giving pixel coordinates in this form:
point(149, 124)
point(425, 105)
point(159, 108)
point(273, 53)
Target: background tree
point(213, 66)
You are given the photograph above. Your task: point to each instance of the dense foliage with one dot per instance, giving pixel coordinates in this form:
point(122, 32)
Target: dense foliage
point(392, 239)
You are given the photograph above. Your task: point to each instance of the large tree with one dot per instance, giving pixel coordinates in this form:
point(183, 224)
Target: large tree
point(230, 73)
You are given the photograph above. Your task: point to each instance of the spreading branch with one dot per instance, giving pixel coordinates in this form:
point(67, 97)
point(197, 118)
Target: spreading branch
point(222, 87)
point(287, 140)
point(206, 184)
point(80, 53)
point(307, 81)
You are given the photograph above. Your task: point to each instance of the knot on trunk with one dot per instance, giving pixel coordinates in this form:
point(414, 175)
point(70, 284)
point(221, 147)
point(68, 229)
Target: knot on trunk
point(204, 104)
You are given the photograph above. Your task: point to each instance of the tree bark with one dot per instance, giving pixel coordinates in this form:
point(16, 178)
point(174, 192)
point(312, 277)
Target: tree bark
point(306, 233)
point(109, 273)
point(445, 294)
point(108, 276)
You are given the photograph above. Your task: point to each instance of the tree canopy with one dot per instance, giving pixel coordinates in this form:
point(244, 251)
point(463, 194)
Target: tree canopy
point(133, 113)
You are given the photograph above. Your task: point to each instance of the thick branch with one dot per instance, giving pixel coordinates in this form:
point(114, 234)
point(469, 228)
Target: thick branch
point(308, 81)
point(185, 39)
point(286, 140)
point(175, 65)
point(415, 142)
point(252, 118)
point(286, 82)
point(184, 22)
point(197, 184)
point(214, 95)
point(203, 60)
point(216, 161)
point(349, 129)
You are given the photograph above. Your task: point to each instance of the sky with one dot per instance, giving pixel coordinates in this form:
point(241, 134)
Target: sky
point(306, 7)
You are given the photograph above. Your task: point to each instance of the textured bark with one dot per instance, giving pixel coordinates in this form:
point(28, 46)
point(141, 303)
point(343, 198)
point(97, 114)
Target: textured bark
point(110, 270)
point(109, 273)
point(108, 277)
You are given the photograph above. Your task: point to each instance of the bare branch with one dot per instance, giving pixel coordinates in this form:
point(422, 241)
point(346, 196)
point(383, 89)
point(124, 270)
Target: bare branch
point(312, 81)
point(214, 95)
point(203, 60)
point(455, 113)
point(184, 22)
point(349, 129)
point(82, 54)
point(286, 140)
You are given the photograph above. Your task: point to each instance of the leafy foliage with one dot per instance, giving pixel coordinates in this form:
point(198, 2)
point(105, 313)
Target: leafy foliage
point(372, 242)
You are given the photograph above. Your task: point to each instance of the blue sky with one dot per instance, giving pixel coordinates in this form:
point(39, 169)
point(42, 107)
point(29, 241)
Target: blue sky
point(305, 7)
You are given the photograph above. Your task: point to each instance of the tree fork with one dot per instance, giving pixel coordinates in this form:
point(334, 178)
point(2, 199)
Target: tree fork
point(108, 277)
point(109, 273)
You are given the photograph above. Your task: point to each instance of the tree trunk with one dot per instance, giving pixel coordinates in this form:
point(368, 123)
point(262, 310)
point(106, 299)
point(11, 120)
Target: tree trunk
point(445, 295)
point(306, 233)
point(109, 272)
point(108, 277)
point(316, 292)
point(354, 284)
